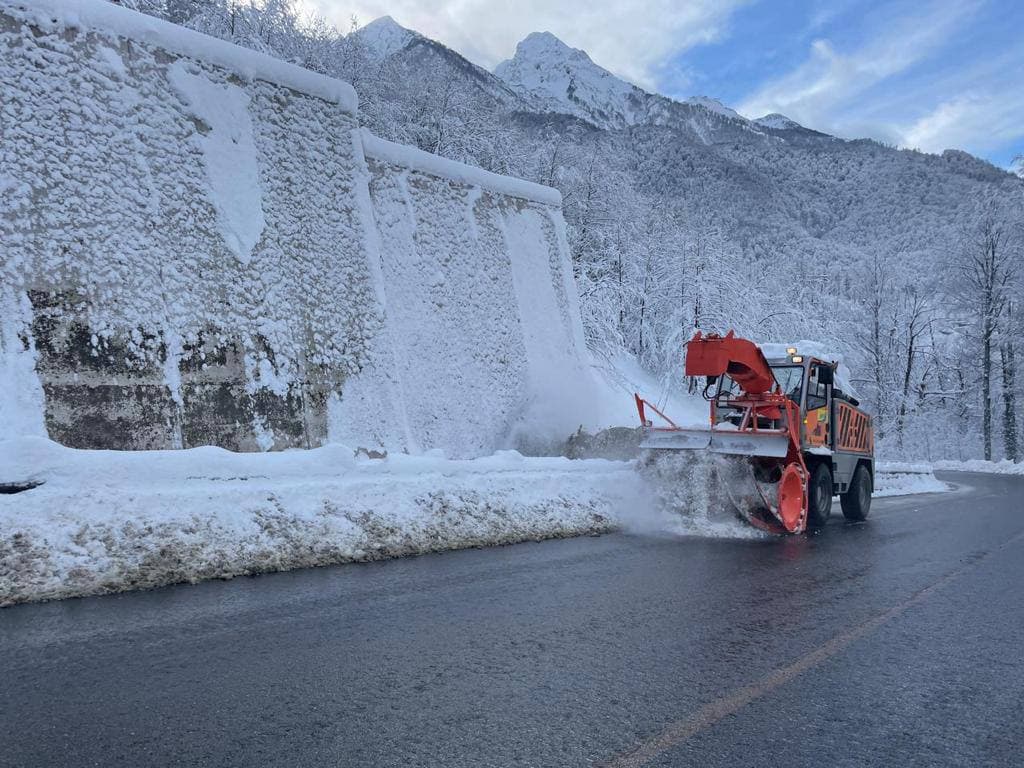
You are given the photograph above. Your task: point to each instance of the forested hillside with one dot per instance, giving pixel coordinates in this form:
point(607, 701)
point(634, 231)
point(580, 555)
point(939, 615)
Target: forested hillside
point(685, 215)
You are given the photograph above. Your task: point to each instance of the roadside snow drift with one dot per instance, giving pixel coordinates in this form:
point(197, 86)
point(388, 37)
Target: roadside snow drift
point(107, 521)
point(903, 479)
point(201, 246)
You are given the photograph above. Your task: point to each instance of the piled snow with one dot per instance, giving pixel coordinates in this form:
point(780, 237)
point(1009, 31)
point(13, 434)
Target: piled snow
point(107, 521)
point(902, 479)
point(1004, 467)
point(21, 396)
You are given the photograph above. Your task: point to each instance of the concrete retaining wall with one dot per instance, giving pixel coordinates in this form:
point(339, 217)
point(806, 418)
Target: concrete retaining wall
point(200, 246)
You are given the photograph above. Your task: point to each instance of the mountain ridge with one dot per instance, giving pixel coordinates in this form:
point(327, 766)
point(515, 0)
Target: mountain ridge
point(552, 77)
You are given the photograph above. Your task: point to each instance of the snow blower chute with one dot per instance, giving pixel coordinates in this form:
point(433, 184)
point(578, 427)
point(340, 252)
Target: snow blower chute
point(802, 436)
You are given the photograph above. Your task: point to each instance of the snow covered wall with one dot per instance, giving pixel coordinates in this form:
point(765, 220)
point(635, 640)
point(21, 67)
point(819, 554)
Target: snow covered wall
point(201, 246)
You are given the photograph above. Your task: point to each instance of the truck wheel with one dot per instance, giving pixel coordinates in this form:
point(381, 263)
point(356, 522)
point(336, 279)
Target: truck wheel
point(819, 496)
point(856, 502)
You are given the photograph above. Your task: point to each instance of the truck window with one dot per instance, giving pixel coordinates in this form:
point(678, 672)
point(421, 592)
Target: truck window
point(790, 379)
point(817, 395)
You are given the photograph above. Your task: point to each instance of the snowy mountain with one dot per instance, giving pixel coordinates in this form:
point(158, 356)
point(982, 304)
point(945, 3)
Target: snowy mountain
point(777, 122)
point(546, 76)
point(383, 37)
point(407, 58)
point(714, 105)
point(557, 78)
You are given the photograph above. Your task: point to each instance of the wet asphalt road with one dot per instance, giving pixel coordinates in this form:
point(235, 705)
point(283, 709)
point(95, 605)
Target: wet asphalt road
point(896, 642)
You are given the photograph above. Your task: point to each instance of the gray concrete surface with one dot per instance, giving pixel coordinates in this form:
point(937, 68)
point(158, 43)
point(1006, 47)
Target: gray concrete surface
point(893, 642)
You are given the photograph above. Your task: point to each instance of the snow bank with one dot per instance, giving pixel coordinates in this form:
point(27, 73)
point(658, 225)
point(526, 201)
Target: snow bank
point(201, 246)
point(1004, 467)
point(21, 396)
point(902, 479)
point(107, 521)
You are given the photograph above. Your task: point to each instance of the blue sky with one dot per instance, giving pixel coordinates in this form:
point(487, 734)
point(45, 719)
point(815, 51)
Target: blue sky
point(929, 74)
point(925, 74)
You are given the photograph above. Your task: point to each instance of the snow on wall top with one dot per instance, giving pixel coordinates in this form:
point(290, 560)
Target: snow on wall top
point(104, 17)
point(417, 159)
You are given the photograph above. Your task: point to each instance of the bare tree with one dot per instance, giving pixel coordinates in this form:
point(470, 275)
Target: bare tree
point(987, 269)
point(876, 293)
point(916, 322)
point(1007, 354)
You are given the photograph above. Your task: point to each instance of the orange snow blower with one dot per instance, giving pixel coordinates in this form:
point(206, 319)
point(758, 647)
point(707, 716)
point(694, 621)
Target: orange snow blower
point(802, 435)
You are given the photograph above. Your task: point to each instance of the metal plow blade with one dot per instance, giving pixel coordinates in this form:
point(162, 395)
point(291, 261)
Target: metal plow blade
point(768, 444)
point(676, 439)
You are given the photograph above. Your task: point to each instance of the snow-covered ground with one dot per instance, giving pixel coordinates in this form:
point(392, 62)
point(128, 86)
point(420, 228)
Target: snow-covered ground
point(902, 479)
point(1004, 467)
point(107, 521)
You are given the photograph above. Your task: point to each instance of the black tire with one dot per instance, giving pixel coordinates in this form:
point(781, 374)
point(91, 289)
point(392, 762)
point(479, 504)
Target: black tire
point(856, 502)
point(819, 496)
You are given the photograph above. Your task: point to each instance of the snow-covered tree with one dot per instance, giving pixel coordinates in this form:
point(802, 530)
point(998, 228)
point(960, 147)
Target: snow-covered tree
point(988, 268)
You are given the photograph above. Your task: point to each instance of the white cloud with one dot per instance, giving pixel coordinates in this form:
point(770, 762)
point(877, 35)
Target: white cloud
point(635, 40)
point(896, 87)
point(979, 122)
point(830, 82)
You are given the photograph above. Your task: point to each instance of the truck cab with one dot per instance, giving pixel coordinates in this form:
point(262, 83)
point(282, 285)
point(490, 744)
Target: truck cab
point(836, 436)
point(835, 433)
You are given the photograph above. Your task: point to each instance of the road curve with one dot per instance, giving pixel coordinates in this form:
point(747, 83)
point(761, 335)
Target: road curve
point(893, 642)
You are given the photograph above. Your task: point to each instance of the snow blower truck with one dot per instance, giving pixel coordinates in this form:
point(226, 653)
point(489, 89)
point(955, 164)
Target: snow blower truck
point(802, 436)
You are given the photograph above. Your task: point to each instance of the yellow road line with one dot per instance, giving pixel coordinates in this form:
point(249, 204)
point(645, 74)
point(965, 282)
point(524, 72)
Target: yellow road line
point(710, 714)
